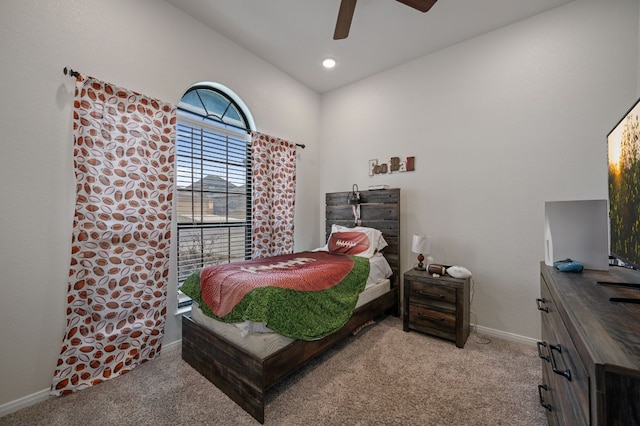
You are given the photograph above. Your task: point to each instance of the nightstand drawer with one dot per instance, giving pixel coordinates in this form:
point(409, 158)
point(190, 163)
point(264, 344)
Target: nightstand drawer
point(420, 317)
point(428, 293)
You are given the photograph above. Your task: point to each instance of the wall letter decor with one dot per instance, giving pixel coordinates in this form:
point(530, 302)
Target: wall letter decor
point(395, 164)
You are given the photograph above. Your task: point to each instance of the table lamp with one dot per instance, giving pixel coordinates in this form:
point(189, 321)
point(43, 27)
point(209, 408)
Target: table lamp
point(421, 245)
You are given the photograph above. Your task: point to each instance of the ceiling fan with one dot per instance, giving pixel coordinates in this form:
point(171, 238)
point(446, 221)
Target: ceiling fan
point(347, 7)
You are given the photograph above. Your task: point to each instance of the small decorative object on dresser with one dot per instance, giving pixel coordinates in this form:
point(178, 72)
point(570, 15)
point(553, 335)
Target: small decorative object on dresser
point(438, 306)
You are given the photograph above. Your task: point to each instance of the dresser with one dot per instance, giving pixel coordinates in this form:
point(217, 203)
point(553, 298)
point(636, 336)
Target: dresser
point(590, 347)
point(437, 305)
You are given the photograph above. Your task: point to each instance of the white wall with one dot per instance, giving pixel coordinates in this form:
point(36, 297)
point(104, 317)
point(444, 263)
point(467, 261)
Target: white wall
point(144, 45)
point(498, 124)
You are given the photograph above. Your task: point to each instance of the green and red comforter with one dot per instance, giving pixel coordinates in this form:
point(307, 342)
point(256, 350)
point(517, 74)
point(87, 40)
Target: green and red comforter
point(306, 295)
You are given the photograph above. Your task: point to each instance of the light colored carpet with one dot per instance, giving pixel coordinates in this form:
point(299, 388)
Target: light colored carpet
point(382, 376)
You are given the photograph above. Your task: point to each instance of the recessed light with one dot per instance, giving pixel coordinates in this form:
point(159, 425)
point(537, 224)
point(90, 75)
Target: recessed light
point(328, 63)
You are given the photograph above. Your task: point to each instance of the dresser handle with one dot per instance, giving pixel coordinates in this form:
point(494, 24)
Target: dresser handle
point(538, 302)
point(540, 345)
point(427, 317)
point(435, 296)
point(540, 389)
point(565, 373)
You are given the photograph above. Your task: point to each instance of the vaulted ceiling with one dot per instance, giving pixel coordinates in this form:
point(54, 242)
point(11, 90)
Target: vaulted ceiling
point(295, 35)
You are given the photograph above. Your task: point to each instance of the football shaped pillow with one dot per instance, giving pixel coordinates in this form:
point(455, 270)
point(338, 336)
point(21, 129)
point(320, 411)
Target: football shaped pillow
point(349, 242)
point(375, 237)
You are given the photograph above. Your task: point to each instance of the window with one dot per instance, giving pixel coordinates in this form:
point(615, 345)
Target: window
point(213, 180)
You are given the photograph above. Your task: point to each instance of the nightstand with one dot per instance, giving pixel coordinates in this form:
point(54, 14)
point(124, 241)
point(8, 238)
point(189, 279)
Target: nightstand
point(437, 305)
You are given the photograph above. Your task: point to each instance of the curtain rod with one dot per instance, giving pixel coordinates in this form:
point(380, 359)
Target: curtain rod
point(72, 73)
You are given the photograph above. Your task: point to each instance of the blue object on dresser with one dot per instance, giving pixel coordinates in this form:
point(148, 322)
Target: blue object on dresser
point(568, 265)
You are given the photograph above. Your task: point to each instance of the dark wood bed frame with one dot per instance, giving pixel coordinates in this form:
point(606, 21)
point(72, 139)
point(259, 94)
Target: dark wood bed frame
point(245, 377)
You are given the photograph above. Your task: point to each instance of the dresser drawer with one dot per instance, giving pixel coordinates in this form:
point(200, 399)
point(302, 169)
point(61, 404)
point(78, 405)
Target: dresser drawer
point(572, 383)
point(432, 294)
point(567, 375)
point(547, 393)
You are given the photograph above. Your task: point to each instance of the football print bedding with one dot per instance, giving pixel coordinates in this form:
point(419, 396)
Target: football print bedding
point(305, 295)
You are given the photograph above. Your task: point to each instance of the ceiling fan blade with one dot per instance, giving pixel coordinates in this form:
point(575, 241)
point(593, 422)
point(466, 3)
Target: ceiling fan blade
point(421, 5)
point(345, 15)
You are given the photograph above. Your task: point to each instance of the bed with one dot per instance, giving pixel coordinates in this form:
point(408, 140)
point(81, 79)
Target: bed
point(245, 375)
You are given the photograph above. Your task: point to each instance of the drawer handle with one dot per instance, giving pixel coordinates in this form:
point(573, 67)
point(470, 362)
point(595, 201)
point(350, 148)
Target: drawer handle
point(564, 373)
point(540, 389)
point(436, 296)
point(540, 308)
point(540, 345)
point(427, 317)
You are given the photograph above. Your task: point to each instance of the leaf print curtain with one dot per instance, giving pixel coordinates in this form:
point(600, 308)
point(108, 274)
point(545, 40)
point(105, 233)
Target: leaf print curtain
point(124, 147)
point(274, 188)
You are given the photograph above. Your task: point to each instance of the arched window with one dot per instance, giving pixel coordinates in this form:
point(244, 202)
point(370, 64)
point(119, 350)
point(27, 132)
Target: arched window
point(213, 180)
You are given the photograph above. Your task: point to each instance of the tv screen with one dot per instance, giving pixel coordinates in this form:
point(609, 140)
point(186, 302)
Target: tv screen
point(624, 187)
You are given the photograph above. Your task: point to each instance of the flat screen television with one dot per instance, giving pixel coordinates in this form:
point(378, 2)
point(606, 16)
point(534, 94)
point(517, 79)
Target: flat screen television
point(624, 189)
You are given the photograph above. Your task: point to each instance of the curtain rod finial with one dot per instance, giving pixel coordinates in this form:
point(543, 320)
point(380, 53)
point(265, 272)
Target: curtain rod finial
point(70, 72)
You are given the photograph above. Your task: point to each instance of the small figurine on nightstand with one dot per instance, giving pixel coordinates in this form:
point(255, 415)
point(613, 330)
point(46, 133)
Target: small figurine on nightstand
point(437, 270)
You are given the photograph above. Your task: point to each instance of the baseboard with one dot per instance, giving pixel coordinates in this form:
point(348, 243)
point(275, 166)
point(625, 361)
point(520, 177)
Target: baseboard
point(34, 398)
point(24, 402)
point(504, 335)
point(172, 345)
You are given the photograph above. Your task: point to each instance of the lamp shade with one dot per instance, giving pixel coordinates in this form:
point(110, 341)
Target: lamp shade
point(421, 244)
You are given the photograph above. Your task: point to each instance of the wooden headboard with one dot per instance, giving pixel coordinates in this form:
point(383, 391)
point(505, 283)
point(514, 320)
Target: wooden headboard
point(379, 209)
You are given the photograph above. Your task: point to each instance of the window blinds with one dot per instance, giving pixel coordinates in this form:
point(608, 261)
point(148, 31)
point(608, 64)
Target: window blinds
point(213, 181)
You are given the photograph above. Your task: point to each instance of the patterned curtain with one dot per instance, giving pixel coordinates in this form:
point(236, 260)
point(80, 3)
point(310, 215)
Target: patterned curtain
point(124, 146)
point(274, 190)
